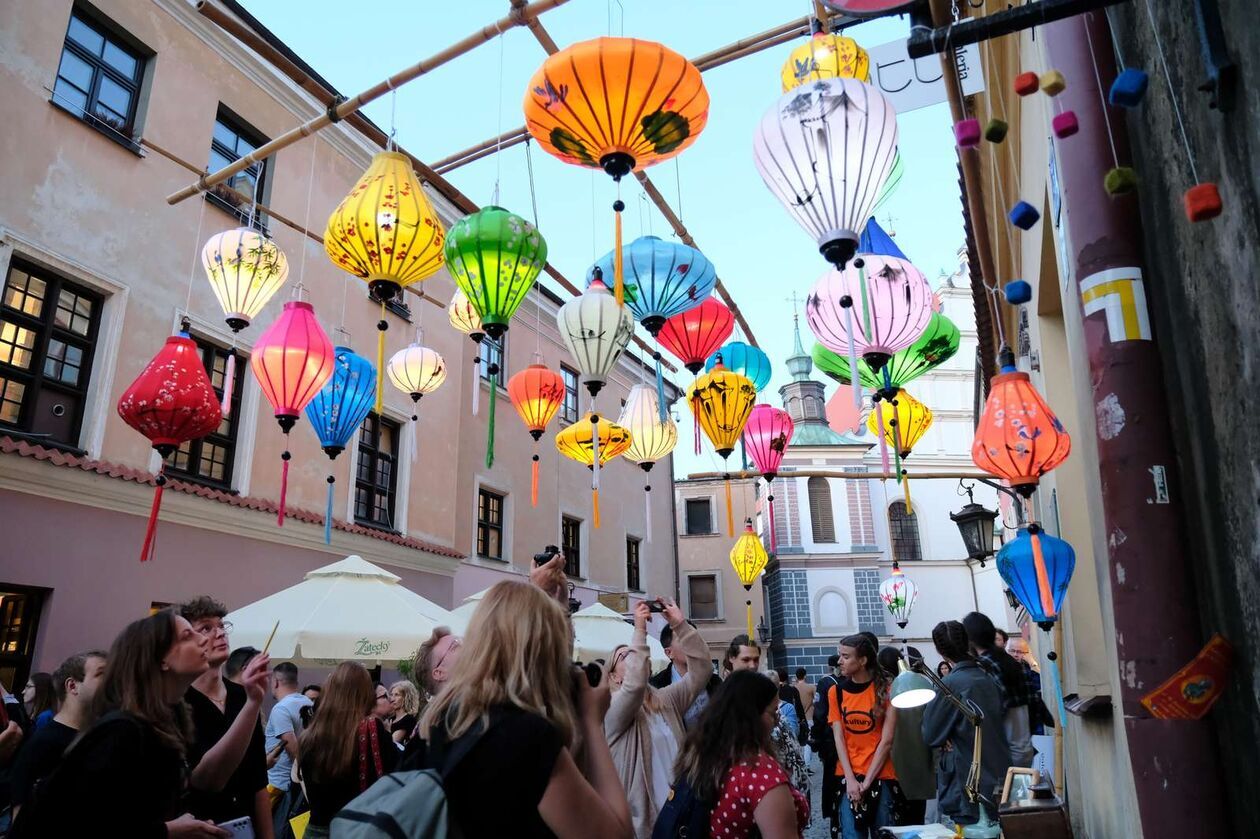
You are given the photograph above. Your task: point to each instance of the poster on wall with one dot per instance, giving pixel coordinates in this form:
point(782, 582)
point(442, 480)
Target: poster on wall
point(1044, 760)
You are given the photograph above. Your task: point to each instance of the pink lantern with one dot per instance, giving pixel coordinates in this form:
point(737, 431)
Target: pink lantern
point(766, 436)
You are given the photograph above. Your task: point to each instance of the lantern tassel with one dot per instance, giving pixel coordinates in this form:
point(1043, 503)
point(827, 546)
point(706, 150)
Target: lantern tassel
point(533, 480)
point(743, 453)
point(1043, 578)
point(660, 388)
point(774, 545)
point(905, 488)
point(595, 507)
point(647, 512)
point(381, 326)
point(883, 444)
point(328, 512)
point(150, 531)
point(695, 418)
point(476, 400)
point(750, 626)
point(855, 384)
point(229, 384)
point(619, 280)
point(1058, 692)
point(595, 467)
point(897, 464)
point(494, 391)
point(415, 420)
point(284, 485)
point(730, 513)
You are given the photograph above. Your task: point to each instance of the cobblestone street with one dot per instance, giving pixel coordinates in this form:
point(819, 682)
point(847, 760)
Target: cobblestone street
point(817, 824)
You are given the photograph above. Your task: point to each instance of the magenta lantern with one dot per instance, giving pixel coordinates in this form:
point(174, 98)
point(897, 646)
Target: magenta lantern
point(766, 436)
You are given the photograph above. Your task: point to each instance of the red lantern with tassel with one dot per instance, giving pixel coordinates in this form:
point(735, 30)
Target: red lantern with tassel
point(767, 435)
point(171, 402)
point(537, 394)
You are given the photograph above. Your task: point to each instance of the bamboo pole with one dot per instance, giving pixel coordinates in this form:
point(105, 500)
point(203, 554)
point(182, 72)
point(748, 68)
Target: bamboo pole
point(517, 17)
point(741, 474)
point(489, 147)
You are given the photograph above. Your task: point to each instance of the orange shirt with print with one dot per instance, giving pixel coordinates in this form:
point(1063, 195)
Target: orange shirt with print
point(855, 711)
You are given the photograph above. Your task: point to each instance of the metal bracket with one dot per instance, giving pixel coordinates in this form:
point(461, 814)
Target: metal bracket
point(925, 41)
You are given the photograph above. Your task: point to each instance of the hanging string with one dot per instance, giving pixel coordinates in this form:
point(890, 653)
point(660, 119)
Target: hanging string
point(498, 142)
point(382, 326)
point(730, 514)
point(1102, 100)
point(678, 188)
point(196, 257)
point(492, 370)
point(619, 279)
point(328, 511)
point(594, 249)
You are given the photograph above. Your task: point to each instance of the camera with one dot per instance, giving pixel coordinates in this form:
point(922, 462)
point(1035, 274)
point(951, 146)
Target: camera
point(656, 606)
point(546, 556)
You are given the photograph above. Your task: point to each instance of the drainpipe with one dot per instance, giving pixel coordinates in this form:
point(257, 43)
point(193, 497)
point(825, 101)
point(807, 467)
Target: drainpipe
point(1157, 621)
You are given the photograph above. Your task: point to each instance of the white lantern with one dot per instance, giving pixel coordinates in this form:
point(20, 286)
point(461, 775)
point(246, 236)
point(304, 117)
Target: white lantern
point(651, 438)
point(416, 370)
point(596, 330)
point(245, 269)
point(898, 593)
point(824, 150)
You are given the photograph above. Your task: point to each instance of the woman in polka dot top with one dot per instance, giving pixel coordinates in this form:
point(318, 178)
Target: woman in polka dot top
point(729, 759)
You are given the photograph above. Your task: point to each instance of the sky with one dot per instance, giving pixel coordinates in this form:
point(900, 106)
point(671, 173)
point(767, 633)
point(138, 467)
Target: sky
point(760, 253)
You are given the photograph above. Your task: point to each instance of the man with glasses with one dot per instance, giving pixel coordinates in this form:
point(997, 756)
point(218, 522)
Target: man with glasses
point(229, 775)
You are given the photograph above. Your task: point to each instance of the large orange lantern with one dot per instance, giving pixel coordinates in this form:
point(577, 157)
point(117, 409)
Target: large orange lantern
point(1019, 438)
point(721, 402)
point(536, 393)
point(593, 441)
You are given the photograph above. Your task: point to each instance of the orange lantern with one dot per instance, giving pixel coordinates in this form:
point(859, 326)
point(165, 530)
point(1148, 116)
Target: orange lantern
point(1019, 438)
point(537, 394)
point(593, 441)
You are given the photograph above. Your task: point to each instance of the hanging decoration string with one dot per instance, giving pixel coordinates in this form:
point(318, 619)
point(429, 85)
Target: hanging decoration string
point(498, 142)
point(1102, 100)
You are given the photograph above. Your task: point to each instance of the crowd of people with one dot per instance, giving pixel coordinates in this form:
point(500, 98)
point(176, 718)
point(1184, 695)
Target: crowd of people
point(165, 734)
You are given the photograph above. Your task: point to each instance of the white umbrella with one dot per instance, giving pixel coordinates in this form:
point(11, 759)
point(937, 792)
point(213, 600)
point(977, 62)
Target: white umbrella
point(351, 610)
point(598, 630)
point(462, 614)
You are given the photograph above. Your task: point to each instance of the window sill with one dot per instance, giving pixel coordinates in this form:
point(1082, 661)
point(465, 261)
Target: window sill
point(497, 559)
point(394, 305)
point(42, 440)
point(131, 144)
point(197, 480)
point(698, 535)
point(371, 525)
point(241, 216)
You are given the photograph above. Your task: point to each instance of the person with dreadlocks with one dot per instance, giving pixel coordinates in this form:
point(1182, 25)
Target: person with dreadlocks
point(862, 722)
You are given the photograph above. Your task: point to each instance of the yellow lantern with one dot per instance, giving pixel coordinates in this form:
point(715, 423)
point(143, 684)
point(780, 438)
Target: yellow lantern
point(903, 420)
point(245, 270)
point(721, 402)
point(651, 438)
point(593, 441)
point(825, 56)
point(749, 559)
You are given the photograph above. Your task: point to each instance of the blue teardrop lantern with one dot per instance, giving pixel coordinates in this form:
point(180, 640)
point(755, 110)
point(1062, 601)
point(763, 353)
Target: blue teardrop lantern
point(1017, 563)
point(744, 359)
point(339, 409)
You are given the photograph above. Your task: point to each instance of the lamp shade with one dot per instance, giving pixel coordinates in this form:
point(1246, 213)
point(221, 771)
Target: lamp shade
point(662, 279)
point(905, 421)
point(1019, 438)
point(596, 330)
point(386, 231)
point(494, 257)
point(1038, 568)
point(825, 150)
point(618, 104)
point(245, 269)
point(697, 333)
point(825, 56)
point(744, 359)
point(748, 557)
point(574, 441)
point(910, 689)
point(537, 394)
point(938, 343)
point(172, 400)
point(767, 435)
point(890, 304)
point(292, 360)
point(721, 401)
point(416, 370)
point(463, 316)
point(898, 593)
point(342, 404)
point(651, 438)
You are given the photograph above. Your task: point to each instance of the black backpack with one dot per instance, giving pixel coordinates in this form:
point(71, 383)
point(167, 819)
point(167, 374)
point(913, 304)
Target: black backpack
point(684, 816)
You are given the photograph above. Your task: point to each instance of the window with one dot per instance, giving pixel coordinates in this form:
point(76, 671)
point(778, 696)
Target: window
point(20, 608)
point(702, 602)
point(98, 79)
point(376, 480)
point(699, 517)
point(231, 141)
point(492, 357)
point(905, 533)
point(632, 564)
point(569, 408)
point(48, 332)
point(209, 459)
point(489, 524)
point(571, 545)
point(820, 519)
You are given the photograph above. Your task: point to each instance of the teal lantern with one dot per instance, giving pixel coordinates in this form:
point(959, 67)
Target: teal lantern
point(744, 359)
point(662, 279)
point(1038, 568)
point(495, 256)
point(338, 410)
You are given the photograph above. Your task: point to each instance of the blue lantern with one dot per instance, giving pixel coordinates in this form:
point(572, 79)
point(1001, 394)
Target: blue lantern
point(662, 279)
point(1038, 568)
point(339, 409)
point(875, 241)
point(744, 359)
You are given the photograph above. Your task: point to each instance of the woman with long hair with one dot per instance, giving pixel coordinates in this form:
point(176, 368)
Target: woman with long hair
point(729, 760)
point(345, 748)
point(862, 722)
point(40, 698)
point(128, 771)
point(404, 700)
point(515, 707)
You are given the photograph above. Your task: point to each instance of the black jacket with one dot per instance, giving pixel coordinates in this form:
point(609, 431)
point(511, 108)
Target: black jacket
point(665, 678)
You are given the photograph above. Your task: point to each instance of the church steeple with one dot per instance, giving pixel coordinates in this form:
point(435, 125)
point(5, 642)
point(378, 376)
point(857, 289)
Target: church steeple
point(805, 399)
point(799, 363)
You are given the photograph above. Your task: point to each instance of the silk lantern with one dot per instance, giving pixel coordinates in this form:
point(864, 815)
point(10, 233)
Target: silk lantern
point(938, 343)
point(749, 559)
point(900, 427)
point(824, 150)
point(898, 593)
point(825, 56)
point(720, 403)
point(651, 438)
point(292, 360)
point(744, 359)
point(697, 333)
point(170, 402)
point(338, 410)
point(464, 317)
point(1037, 568)
point(495, 257)
point(537, 394)
point(767, 434)
point(596, 330)
point(618, 104)
point(416, 370)
point(593, 441)
point(245, 269)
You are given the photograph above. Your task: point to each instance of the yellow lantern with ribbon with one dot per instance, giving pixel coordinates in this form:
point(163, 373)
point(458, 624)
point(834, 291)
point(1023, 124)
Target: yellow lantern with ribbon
point(593, 441)
point(825, 56)
point(749, 559)
point(904, 422)
point(721, 402)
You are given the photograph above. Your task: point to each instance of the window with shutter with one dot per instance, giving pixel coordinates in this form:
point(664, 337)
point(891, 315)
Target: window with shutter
point(702, 597)
point(699, 517)
point(820, 517)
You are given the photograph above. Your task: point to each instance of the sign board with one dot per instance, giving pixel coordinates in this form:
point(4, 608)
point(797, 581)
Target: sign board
point(870, 8)
point(617, 601)
point(913, 83)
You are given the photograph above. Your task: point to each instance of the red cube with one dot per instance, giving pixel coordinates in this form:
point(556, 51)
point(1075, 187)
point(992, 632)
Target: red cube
point(1065, 124)
point(1026, 83)
point(1203, 202)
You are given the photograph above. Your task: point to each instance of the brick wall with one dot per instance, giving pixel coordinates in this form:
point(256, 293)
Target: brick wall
point(870, 609)
point(812, 658)
point(794, 594)
point(861, 517)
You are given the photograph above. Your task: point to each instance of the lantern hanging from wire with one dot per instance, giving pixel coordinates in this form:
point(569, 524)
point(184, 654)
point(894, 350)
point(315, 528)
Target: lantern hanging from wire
point(292, 360)
point(901, 427)
point(338, 410)
point(1038, 567)
point(824, 150)
point(749, 559)
point(171, 402)
point(898, 593)
point(720, 403)
point(938, 343)
point(767, 434)
point(744, 359)
point(617, 104)
point(416, 370)
point(1018, 438)
point(697, 333)
point(245, 269)
point(593, 441)
point(825, 56)
point(495, 257)
point(596, 330)
point(464, 317)
point(651, 438)
point(537, 394)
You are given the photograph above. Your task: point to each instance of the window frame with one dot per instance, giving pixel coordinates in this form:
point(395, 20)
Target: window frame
point(716, 577)
point(707, 501)
point(903, 532)
point(370, 457)
point(634, 566)
point(816, 516)
point(572, 550)
point(568, 417)
point(209, 349)
point(487, 350)
point(111, 35)
point(487, 525)
point(260, 171)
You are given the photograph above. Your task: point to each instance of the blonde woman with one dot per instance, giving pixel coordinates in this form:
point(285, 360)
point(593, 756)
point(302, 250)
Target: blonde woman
point(513, 708)
point(404, 701)
point(644, 726)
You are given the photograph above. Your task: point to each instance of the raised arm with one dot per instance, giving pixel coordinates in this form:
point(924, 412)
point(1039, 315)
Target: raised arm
point(682, 694)
point(216, 766)
point(628, 699)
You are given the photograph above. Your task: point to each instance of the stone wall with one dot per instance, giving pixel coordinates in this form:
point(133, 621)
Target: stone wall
point(870, 609)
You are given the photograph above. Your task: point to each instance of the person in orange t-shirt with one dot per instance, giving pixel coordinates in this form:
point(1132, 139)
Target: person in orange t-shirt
point(862, 722)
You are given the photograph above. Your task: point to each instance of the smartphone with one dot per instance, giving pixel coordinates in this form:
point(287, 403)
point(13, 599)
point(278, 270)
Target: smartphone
point(656, 606)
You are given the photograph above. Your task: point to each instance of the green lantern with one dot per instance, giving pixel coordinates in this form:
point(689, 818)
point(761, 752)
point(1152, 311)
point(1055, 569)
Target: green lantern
point(937, 344)
point(495, 256)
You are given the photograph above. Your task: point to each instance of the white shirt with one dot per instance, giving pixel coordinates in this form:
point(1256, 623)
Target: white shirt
point(664, 750)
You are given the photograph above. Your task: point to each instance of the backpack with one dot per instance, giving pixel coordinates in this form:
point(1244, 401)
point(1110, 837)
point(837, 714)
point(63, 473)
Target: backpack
point(684, 816)
point(406, 805)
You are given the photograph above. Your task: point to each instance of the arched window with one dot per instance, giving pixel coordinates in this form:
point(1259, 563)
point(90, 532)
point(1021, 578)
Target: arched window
point(905, 533)
point(820, 517)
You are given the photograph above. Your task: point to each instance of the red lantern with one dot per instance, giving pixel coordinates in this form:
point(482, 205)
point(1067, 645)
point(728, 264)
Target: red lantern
point(1019, 438)
point(171, 402)
point(292, 360)
point(536, 393)
point(697, 333)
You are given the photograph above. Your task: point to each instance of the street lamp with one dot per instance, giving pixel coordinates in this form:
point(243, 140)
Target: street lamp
point(975, 523)
point(763, 631)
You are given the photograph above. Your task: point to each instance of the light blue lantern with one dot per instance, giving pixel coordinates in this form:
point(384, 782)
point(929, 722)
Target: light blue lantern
point(339, 409)
point(662, 279)
point(744, 359)
point(1037, 567)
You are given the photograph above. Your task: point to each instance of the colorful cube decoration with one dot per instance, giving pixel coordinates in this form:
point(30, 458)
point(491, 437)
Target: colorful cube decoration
point(1017, 292)
point(1026, 83)
point(967, 133)
point(1128, 88)
point(1065, 124)
point(1120, 181)
point(995, 130)
point(1024, 216)
point(1203, 202)
point(1053, 83)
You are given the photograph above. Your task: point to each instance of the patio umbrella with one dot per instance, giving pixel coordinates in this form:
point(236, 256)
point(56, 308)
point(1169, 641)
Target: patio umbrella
point(351, 610)
point(598, 630)
point(462, 614)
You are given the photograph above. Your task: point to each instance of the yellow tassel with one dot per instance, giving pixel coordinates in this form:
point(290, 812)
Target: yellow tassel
point(595, 507)
point(381, 326)
point(730, 514)
point(750, 626)
point(619, 280)
point(905, 487)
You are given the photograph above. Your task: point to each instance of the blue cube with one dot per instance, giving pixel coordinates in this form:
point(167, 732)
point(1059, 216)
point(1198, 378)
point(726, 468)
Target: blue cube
point(1128, 88)
point(1017, 292)
point(1023, 215)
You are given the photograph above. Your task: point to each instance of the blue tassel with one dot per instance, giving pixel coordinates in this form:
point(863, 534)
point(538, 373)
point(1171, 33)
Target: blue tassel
point(660, 388)
point(1058, 692)
point(328, 511)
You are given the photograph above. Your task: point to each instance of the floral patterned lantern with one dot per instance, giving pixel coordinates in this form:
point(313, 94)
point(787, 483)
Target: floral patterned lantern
point(494, 257)
point(537, 394)
point(338, 410)
point(767, 434)
point(900, 428)
point(825, 56)
point(596, 330)
point(899, 593)
point(749, 559)
point(593, 441)
point(662, 279)
point(697, 333)
point(721, 402)
point(245, 269)
point(463, 316)
point(938, 343)
point(416, 370)
point(651, 438)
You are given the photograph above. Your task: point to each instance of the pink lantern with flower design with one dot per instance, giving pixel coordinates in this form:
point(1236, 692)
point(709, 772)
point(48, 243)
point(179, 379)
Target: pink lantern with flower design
point(766, 437)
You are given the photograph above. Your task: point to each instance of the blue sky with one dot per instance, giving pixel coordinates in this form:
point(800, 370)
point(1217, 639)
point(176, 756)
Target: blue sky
point(761, 255)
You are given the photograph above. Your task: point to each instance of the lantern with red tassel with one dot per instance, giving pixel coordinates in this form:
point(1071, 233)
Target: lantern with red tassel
point(537, 394)
point(767, 435)
point(293, 359)
point(171, 402)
